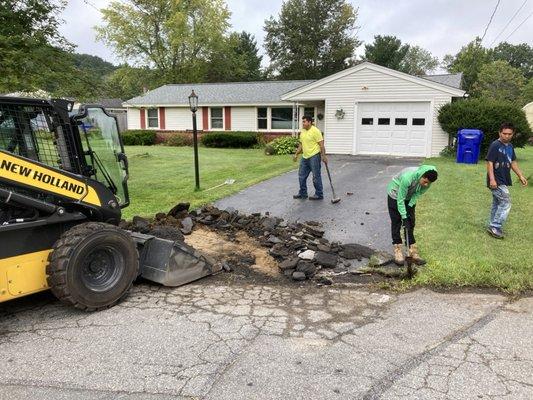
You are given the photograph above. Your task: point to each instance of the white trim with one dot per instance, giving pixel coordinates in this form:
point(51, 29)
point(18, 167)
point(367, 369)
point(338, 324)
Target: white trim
point(355, 122)
point(279, 104)
point(325, 123)
point(424, 82)
point(429, 141)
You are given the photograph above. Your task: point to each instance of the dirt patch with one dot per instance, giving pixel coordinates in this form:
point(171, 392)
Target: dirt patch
point(265, 249)
point(241, 247)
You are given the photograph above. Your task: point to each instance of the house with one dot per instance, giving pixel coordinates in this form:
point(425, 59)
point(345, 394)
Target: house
point(365, 109)
point(528, 110)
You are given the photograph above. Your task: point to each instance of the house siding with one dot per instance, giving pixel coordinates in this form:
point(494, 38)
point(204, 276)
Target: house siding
point(180, 119)
point(134, 118)
point(367, 85)
point(439, 138)
point(243, 119)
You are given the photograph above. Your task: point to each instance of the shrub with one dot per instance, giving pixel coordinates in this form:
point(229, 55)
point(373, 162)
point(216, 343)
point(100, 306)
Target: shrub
point(138, 137)
point(234, 140)
point(179, 139)
point(486, 115)
point(284, 145)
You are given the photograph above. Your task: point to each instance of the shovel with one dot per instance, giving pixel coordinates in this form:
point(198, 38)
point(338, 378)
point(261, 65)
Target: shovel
point(335, 199)
point(408, 261)
point(226, 182)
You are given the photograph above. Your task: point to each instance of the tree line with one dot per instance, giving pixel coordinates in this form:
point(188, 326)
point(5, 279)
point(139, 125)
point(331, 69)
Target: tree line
point(168, 41)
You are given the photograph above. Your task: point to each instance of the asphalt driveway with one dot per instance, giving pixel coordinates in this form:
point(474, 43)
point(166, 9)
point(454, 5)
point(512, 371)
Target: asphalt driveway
point(359, 218)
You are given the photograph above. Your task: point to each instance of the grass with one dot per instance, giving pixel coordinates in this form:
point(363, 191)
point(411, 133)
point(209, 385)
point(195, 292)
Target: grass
point(451, 216)
point(161, 176)
point(451, 221)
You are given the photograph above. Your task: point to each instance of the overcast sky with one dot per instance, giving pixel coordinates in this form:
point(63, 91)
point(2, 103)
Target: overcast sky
point(440, 26)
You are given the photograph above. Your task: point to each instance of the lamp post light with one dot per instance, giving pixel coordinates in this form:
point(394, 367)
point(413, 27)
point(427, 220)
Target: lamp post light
point(193, 105)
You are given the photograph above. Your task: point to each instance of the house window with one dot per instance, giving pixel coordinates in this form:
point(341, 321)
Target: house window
point(419, 121)
point(310, 112)
point(367, 121)
point(217, 121)
point(383, 121)
point(153, 117)
point(281, 118)
point(262, 119)
point(400, 121)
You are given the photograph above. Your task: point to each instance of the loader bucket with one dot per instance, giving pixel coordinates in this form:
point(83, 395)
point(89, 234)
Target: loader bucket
point(171, 263)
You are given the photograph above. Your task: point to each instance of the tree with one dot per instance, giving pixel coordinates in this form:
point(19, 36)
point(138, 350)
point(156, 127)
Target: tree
point(526, 95)
point(311, 39)
point(418, 61)
point(31, 48)
point(93, 64)
point(237, 61)
point(176, 38)
point(499, 81)
point(127, 82)
point(519, 56)
point(469, 61)
point(387, 51)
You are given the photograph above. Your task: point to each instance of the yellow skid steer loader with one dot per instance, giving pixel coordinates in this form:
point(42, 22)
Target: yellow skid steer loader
point(63, 183)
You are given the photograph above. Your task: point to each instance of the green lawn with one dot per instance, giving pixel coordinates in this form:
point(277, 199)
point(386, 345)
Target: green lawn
point(451, 220)
point(451, 216)
point(162, 176)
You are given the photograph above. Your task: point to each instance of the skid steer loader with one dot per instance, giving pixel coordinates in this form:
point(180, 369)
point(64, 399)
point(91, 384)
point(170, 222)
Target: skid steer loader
point(63, 183)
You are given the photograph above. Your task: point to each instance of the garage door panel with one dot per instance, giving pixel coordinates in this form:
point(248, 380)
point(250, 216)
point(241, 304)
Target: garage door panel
point(403, 129)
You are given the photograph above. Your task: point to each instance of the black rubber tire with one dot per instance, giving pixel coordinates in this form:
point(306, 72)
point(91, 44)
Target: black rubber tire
point(92, 266)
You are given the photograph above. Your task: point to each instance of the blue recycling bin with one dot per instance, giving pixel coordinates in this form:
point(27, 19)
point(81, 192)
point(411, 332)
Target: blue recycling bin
point(468, 145)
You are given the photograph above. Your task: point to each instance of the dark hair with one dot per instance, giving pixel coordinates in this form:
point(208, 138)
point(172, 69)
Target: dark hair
point(431, 175)
point(507, 125)
point(308, 118)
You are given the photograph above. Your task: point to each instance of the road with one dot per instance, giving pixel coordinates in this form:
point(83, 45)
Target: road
point(213, 341)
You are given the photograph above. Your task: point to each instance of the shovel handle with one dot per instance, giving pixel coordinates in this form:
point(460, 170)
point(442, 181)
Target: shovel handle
point(330, 183)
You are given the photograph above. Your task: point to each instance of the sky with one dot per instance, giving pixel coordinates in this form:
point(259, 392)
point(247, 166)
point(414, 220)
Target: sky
point(440, 26)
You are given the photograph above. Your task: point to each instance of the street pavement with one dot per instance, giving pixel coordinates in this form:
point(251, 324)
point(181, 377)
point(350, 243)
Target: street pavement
point(212, 341)
point(361, 217)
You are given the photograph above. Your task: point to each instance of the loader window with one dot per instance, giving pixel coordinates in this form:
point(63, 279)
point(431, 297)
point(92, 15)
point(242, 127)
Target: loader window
point(102, 146)
point(29, 131)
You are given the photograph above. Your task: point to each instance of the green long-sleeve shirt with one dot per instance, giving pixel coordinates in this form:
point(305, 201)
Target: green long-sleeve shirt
point(406, 186)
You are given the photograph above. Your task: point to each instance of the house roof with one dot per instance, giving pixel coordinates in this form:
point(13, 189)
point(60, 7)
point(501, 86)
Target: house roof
point(110, 103)
point(453, 80)
point(265, 92)
point(269, 92)
point(290, 96)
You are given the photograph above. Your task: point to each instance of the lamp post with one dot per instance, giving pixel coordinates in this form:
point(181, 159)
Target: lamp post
point(193, 105)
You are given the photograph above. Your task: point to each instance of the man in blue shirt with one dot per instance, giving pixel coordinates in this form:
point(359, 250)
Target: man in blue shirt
point(501, 159)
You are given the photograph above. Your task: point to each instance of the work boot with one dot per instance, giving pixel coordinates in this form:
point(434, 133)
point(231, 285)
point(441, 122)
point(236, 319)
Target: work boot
point(398, 254)
point(413, 253)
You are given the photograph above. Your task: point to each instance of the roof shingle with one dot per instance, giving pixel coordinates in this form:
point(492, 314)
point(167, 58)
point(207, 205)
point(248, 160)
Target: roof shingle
point(218, 93)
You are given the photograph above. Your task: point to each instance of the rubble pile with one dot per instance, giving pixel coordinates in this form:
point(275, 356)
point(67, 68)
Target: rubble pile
point(299, 248)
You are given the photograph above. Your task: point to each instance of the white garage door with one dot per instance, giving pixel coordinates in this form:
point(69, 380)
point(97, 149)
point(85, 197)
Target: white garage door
point(400, 129)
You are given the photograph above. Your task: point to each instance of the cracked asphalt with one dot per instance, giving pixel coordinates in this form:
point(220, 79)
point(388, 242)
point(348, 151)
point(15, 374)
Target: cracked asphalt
point(212, 341)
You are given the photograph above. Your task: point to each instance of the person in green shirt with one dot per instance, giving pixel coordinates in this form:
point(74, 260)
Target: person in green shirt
point(403, 192)
point(313, 152)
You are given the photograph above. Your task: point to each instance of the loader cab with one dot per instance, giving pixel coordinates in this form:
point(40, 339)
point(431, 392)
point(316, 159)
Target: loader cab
point(103, 151)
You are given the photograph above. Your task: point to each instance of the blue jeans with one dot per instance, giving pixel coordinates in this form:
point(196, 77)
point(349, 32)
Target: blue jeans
point(308, 165)
point(501, 205)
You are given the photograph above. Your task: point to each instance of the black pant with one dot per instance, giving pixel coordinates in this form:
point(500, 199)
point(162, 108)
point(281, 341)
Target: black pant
point(396, 221)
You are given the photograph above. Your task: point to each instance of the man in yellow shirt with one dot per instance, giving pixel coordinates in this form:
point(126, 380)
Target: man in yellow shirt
point(312, 148)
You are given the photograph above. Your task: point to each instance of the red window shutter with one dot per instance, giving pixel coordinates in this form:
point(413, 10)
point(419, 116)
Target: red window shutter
point(205, 118)
point(143, 119)
point(227, 118)
point(162, 118)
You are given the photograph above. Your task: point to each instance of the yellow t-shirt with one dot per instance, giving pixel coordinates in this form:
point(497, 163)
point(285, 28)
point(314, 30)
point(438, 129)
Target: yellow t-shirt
point(309, 139)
